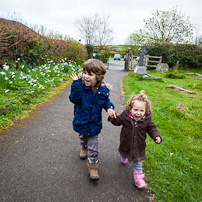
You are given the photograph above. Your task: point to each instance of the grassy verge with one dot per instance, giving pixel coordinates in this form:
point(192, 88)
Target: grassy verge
point(21, 90)
point(174, 168)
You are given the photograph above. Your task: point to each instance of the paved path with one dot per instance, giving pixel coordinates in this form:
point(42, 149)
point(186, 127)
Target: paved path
point(40, 157)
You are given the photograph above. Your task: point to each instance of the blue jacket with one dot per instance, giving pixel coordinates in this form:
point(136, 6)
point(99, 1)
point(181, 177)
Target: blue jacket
point(88, 107)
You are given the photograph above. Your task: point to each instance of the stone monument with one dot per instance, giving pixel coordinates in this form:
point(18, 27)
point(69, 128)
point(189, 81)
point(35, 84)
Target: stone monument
point(141, 70)
point(162, 67)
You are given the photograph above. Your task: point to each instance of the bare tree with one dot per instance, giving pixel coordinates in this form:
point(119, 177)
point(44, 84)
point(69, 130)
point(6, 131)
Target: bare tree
point(95, 30)
point(87, 27)
point(105, 34)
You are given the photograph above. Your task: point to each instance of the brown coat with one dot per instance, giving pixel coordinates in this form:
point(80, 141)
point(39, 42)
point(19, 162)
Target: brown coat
point(133, 135)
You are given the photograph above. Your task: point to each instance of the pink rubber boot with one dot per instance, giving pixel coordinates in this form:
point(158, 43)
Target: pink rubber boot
point(124, 161)
point(139, 182)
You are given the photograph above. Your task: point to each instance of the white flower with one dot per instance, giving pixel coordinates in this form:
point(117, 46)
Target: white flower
point(10, 82)
point(30, 82)
point(6, 91)
point(13, 76)
point(3, 73)
point(40, 86)
point(22, 66)
point(6, 78)
point(18, 59)
point(6, 67)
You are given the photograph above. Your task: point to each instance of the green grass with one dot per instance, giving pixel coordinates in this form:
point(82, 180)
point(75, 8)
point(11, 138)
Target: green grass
point(179, 177)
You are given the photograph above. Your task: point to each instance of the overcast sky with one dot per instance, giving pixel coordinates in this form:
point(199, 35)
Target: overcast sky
point(126, 16)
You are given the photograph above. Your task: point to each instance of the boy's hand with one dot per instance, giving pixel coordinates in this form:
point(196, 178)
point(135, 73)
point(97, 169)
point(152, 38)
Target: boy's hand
point(158, 140)
point(111, 113)
point(74, 76)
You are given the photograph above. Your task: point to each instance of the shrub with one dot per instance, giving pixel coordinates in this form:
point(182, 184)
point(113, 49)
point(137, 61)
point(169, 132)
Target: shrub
point(19, 41)
point(188, 55)
point(89, 49)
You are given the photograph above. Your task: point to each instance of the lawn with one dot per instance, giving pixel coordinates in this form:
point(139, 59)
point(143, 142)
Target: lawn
point(173, 168)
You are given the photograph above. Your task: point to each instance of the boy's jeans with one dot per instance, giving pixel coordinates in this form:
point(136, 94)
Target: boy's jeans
point(92, 145)
point(137, 166)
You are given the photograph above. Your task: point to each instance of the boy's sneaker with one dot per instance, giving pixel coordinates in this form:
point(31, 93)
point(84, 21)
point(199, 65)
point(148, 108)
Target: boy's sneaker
point(83, 153)
point(124, 161)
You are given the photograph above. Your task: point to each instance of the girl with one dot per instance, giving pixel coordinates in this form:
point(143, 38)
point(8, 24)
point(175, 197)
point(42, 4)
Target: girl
point(136, 121)
point(90, 95)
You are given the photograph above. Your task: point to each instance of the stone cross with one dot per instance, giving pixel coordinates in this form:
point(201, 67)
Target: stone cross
point(142, 51)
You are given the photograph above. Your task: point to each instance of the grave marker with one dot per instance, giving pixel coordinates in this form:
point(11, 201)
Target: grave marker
point(142, 51)
point(141, 70)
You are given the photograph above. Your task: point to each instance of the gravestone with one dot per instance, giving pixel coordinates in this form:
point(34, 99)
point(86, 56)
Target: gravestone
point(141, 70)
point(142, 51)
point(162, 67)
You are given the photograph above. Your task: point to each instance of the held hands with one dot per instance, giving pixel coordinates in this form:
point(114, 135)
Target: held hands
point(74, 76)
point(158, 140)
point(111, 113)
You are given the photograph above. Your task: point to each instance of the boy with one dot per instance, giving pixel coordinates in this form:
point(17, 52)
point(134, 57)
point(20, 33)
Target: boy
point(89, 95)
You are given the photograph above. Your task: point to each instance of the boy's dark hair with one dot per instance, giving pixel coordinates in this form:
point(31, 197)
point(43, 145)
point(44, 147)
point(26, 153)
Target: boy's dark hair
point(95, 66)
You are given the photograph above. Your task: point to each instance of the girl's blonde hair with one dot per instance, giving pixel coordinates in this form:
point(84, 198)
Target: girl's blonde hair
point(141, 97)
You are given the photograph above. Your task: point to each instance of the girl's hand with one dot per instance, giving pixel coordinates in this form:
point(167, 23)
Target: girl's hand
point(111, 113)
point(158, 140)
point(74, 76)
